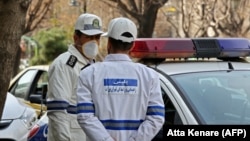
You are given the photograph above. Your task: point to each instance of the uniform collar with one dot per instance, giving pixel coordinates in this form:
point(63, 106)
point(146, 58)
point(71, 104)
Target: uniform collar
point(117, 57)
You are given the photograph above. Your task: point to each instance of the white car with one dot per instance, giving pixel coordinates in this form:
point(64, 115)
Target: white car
point(204, 81)
point(17, 120)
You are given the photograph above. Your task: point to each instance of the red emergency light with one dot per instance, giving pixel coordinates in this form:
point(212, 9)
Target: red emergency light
point(162, 48)
point(190, 48)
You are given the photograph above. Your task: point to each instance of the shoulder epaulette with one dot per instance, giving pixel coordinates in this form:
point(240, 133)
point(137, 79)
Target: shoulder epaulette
point(72, 61)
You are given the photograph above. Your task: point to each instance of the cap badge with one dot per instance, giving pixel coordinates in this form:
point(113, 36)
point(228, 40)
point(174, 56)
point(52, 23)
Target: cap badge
point(95, 23)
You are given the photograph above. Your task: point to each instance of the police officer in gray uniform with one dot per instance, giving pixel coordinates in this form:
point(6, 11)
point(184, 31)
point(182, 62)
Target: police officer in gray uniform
point(63, 77)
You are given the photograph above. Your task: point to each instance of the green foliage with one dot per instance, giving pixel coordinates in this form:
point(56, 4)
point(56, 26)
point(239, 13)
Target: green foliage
point(51, 43)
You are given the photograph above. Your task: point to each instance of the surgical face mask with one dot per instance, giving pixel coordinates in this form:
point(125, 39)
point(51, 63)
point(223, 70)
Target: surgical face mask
point(90, 49)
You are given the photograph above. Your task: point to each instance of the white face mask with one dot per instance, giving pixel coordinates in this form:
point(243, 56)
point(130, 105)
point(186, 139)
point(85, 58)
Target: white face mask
point(90, 49)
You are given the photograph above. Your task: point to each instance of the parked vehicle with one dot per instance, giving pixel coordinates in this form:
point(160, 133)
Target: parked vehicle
point(30, 86)
point(204, 81)
point(17, 120)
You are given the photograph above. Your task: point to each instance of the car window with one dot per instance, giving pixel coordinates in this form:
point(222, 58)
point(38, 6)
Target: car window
point(22, 85)
point(171, 115)
point(220, 97)
point(40, 80)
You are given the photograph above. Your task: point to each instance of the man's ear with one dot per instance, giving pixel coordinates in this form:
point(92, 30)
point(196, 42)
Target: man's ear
point(133, 45)
point(108, 46)
point(75, 37)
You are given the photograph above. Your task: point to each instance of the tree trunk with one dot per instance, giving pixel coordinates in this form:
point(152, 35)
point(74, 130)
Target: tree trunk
point(12, 22)
point(16, 63)
point(147, 24)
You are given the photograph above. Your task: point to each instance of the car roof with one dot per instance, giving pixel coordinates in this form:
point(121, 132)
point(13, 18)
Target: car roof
point(178, 67)
point(40, 67)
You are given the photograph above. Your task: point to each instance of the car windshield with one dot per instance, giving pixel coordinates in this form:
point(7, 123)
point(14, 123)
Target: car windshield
point(220, 97)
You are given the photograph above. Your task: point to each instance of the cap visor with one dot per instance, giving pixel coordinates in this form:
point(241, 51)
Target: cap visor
point(92, 32)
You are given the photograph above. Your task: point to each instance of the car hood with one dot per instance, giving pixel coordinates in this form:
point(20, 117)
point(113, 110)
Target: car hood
point(13, 109)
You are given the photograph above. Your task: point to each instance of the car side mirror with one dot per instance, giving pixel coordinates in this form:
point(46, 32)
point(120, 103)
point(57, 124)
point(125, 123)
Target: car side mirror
point(44, 92)
point(34, 98)
point(43, 99)
point(39, 98)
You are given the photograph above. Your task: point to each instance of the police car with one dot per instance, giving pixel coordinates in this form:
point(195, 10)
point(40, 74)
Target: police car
point(204, 81)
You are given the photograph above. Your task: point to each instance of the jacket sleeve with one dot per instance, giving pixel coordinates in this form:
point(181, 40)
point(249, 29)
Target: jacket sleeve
point(86, 110)
point(59, 93)
point(155, 116)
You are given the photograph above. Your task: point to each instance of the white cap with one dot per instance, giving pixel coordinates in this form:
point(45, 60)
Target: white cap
point(89, 24)
point(118, 26)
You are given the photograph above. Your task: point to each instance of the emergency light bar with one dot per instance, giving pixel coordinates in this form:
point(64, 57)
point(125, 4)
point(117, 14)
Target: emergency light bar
point(190, 48)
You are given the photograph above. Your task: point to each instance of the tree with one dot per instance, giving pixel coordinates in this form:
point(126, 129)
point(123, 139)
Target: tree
point(35, 14)
point(215, 18)
point(51, 43)
point(12, 27)
point(232, 19)
point(142, 11)
point(18, 17)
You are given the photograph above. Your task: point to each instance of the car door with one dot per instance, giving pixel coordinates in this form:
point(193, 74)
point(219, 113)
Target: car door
point(28, 84)
point(176, 109)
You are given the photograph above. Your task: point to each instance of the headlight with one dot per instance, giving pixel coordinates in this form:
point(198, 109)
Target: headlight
point(29, 118)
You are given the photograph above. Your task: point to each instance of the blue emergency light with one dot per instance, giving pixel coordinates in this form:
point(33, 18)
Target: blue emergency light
point(190, 48)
